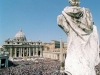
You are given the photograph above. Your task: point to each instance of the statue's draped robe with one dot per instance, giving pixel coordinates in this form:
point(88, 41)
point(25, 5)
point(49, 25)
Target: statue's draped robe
point(83, 44)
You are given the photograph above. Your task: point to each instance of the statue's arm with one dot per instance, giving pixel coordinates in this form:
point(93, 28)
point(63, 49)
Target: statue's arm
point(60, 20)
point(89, 19)
point(62, 23)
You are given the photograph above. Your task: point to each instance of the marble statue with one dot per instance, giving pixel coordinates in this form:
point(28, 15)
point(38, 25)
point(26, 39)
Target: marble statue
point(83, 42)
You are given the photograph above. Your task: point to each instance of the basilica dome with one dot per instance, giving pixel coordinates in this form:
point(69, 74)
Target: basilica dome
point(20, 36)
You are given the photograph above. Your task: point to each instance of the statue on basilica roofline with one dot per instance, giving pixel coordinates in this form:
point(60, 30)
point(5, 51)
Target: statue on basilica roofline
point(83, 42)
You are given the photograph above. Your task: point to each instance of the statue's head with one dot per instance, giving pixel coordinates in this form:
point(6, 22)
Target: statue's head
point(74, 2)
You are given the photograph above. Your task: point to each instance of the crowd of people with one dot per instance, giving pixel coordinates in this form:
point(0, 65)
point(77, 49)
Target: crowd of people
point(37, 67)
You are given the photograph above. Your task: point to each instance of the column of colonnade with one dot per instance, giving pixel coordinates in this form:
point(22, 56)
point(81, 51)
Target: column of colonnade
point(10, 52)
point(29, 51)
point(41, 53)
point(23, 51)
point(33, 51)
point(16, 49)
point(36, 51)
point(15, 52)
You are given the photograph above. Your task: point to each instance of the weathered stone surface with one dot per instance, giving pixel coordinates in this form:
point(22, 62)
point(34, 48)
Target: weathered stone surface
point(97, 68)
point(83, 41)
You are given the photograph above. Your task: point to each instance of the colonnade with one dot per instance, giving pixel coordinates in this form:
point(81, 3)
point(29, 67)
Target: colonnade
point(25, 51)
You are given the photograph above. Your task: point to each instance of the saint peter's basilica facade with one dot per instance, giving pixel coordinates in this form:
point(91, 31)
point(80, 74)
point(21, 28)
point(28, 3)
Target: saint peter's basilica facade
point(21, 47)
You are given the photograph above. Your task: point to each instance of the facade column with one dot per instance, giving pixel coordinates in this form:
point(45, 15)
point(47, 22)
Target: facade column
point(0, 63)
point(29, 52)
point(23, 52)
point(41, 53)
point(33, 52)
point(36, 51)
point(15, 52)
point(11, 52)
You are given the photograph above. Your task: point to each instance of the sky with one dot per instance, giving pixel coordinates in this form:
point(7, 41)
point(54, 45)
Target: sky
point(38, 18)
